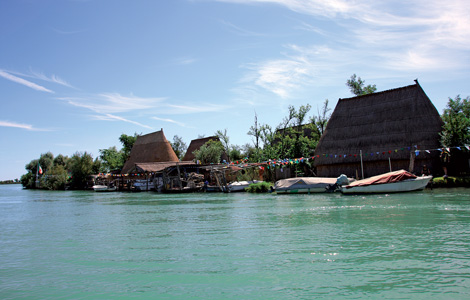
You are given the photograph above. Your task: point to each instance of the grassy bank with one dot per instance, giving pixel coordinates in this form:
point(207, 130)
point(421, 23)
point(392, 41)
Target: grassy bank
point(451, 181)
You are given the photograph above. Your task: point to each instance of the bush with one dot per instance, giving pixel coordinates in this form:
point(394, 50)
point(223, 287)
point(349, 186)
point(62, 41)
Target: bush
point(260, 187)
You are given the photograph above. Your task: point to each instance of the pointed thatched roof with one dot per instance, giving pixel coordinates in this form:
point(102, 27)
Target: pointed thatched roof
point(196, 144)
point(152, 147)
point(375, 124)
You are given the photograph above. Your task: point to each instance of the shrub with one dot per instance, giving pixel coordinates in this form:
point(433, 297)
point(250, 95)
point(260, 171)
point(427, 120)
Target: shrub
point(260, 187)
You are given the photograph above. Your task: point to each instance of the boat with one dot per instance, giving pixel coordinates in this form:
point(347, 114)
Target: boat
point(240, 186)
point(304, 185)
point(392, 182)
point(104, 188)
point(143, 185)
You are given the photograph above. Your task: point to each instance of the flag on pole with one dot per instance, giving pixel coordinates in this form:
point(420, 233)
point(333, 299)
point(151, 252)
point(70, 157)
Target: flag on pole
point(39, 169)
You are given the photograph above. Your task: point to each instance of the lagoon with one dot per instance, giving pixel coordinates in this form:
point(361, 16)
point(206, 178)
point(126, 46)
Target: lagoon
point(86, 245)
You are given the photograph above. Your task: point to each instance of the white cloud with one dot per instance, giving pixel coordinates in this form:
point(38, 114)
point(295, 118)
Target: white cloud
point(110, 117)
point(387, 37)
point(19, 125)
point(34, 86)
point(169, 121)
point(113, 102)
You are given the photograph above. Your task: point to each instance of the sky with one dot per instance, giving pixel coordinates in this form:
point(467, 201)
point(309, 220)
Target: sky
point(76, 74)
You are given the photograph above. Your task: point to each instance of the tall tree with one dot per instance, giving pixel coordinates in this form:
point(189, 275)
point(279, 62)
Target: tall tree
point(210, 152)
point(179, 146)
point(456, 117)
point(111, 159)
point(357, 86)
point(81, 164)
point(321, 119)
point(127, 142)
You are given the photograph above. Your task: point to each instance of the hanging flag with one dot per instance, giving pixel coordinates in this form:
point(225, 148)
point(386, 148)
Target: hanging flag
point(417, 152)
point(39, 169)
point(428, 151)
point(468, 147)
point(459, 148)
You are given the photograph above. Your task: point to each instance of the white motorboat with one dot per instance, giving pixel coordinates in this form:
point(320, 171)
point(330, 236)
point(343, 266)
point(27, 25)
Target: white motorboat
point(240, 186)
point(304, 185)
point(392, 182)
point(104, 188)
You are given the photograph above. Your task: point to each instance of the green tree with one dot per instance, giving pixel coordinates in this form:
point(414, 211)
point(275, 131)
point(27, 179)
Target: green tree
point(179, 146)
point(357, 86)
point(111, 159)
point(321, 119)
point(210, 152)
point(61, 160)
point(456, 117)
point(127, 142)
point(55, 178)
point(81, 167)
point(46, 160)
point(224, 139)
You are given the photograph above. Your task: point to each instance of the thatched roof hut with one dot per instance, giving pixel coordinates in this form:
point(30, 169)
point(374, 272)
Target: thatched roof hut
point(198, 143)
point(152, 147)
point(387, 128)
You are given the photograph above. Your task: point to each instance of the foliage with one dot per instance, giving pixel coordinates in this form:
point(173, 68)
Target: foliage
point(127, 142)
point(55, 178)
point(111, 159)
point(61, 160)
point(321, 119)
point(28, 180)
point(260, 187)
point(210, 152)
point(356, 86)
point(179, 147)
point(456, 117)
point(81, 166)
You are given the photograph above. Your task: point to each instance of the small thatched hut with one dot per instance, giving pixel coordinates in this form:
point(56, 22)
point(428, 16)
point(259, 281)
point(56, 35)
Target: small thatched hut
point(198, 143)
point(389, 129)
point(152, 147)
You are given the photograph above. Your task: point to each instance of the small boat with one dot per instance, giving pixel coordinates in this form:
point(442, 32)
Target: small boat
point(240, 186)
point(304, 185)
point(104, 188)
point(392, 182)
point(143, 185)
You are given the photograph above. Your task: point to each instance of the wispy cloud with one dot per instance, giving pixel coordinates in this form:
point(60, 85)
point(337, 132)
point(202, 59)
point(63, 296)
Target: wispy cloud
point(9, 76)
point(240, 31)
point(21, 126)
point(53, 78)
point(169, 121)
point(113, 102)
point(110, 117)
point(386, 36)
point(185, 61)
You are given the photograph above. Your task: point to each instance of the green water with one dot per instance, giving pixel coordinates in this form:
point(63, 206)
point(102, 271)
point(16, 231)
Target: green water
point(86, 245)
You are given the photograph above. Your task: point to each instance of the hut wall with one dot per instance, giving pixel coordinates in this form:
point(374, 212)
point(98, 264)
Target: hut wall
point(373, 168)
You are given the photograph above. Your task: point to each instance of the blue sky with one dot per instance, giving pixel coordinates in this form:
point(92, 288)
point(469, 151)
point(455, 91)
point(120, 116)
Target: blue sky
point(76, 74)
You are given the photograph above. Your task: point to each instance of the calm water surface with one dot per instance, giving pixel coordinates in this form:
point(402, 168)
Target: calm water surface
point(86, 245)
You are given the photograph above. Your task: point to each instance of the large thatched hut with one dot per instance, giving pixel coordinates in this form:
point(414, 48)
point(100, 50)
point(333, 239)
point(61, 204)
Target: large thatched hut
point(385, 130)
point(149, 148)
point(197, 144)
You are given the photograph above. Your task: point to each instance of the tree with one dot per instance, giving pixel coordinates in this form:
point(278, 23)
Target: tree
point(111, 159)
point(127, 144)
point(81, 167)
point(456, 117)
point(321, 119)
point(356, 86)
point(210, 152)
point(55, 178)
point(224, 139)
point(179, 146)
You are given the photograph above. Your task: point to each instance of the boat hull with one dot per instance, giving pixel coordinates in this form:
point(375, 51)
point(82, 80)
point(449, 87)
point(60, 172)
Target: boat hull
point(104, 188)
point(408, 185)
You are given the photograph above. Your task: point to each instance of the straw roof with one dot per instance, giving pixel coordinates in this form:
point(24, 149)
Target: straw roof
point(152, 147)
point(391, 120)
point(155, 167)
point(198, 143)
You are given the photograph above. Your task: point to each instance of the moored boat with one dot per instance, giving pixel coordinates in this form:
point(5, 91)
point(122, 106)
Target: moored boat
point(304, 185)
point(104, 188)
point(240, 186)
point(392, 182)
